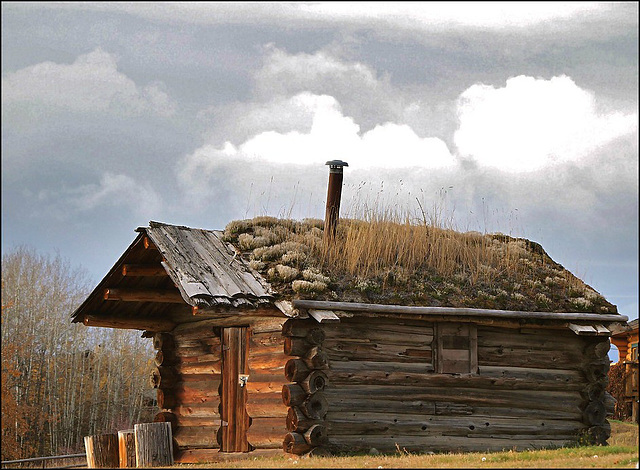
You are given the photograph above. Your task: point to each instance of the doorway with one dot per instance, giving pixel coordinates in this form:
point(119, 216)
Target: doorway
point(233, 396)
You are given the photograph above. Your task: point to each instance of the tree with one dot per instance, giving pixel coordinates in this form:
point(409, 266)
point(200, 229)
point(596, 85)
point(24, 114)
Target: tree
point(61, 381)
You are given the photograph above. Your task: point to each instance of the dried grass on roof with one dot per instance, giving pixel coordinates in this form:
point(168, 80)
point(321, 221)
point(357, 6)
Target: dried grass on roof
point(389, 261)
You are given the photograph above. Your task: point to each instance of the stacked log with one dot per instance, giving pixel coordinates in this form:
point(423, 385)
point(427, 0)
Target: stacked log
point(526, 392)
point(264, 399)
point(187, 379)
point(377, 370)
point(598, 402)
point(304, 394)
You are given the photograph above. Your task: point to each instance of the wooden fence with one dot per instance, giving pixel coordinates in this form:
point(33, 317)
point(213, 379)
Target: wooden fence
point(32, 461)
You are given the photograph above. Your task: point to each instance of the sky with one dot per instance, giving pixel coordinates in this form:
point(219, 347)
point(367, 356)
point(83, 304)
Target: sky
point(519, 118)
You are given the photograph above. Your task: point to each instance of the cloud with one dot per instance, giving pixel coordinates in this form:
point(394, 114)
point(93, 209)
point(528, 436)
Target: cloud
point(221, 172)
point(285, 73)
point(363, 94)
point(490, 15)
point(113, 190)
point(401, 15)
point(532, 123)
point(332, 135)
point(92, 83)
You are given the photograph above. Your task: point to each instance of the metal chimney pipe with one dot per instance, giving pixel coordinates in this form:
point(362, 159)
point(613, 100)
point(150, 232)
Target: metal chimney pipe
point(334, 193)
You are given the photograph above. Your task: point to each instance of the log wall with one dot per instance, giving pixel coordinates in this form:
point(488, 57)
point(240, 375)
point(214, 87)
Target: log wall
point(266, 377)
point(188, 378)
point(529, 388)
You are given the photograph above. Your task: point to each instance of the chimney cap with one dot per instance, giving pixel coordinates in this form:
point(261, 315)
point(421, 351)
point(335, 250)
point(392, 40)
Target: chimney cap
point(336, 163)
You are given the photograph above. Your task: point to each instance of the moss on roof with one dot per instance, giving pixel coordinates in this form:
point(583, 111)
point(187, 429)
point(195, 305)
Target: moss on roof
point(389, 262)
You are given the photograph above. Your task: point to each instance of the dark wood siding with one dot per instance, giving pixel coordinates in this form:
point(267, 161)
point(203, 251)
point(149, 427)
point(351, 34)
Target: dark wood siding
point(498, 387)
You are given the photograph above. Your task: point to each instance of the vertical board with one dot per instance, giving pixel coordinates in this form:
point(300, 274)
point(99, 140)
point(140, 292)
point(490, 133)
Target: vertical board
point(235, 420)
point(457, 348)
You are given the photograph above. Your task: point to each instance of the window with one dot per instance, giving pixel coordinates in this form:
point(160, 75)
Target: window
point(634, 352)
point(456, 348)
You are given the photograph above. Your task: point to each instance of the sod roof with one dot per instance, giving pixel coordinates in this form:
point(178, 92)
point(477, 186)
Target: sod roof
point(403, 263)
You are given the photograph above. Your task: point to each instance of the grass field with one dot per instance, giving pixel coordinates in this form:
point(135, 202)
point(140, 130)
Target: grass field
point(622, 452)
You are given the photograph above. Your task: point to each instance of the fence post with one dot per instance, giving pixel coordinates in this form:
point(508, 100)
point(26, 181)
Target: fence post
point(127, 448)
point(154, 446)
point(102, 451)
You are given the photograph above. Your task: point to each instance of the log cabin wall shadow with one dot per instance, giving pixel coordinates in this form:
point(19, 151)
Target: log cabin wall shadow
point(241, 367)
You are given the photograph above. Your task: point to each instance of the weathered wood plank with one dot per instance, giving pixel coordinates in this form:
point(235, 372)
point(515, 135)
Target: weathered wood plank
point(267, 433)
point(129, 323)
point(520, 357)
point(205, 410)
point(323, 316)
point(540, 381)
point(197, 437)
point(255, 387)
point(395, 395)
point(267, 409)
point(566, 376)
point(268, 325)
point(144, 270)
point(185, 395)
point(382, 366)
point(144, 295)
point(364, 351)
point(382, 331)
point(208, 367)
point(456, 311)
point(390, 424)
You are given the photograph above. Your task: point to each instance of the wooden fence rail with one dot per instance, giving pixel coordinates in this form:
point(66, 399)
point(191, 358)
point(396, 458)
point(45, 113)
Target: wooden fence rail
point(45, 459)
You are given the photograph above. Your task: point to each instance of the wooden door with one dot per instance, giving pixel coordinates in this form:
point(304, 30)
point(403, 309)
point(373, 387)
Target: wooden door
point(233, 399)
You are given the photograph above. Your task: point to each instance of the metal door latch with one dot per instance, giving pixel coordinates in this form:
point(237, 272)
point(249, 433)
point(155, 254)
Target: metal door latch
point(243, 379)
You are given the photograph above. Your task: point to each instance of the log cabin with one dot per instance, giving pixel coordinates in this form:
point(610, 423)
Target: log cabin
point(240, 367)
point(625, 339)
point(265, 342)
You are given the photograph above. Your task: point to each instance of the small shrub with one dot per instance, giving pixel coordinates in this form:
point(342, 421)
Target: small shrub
point(590, 294)
point(294, 258)
point(542, 299)
point(501, 294)
point(317, 224)
point(314, 275)
point(367, 285)
point(305, 287)
point(581, 303)
point(286, 273)
point(237, 226)
point(257, 265)
point(248, 242)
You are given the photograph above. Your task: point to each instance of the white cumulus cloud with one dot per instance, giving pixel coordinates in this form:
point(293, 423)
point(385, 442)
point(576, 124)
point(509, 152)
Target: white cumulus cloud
point(91, 83)
point(532, 123)
point(214, 170)
point(332, 135)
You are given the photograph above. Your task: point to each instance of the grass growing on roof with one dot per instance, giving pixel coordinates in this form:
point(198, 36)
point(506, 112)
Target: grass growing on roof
point(393, 258)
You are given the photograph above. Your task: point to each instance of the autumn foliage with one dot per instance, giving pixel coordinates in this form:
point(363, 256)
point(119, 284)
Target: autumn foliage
point(617, 378)
point(62, 381)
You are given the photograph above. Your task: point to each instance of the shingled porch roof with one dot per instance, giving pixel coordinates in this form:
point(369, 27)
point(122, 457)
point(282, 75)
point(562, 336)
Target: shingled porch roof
point(169, 269)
